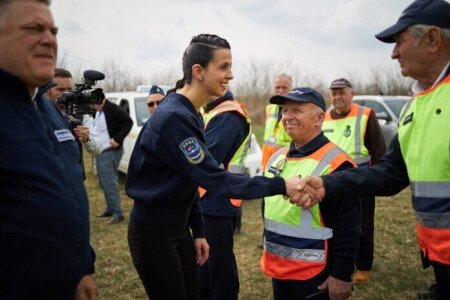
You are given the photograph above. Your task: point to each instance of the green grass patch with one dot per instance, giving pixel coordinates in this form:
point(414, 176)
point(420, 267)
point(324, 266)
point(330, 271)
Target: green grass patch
point(398, 273)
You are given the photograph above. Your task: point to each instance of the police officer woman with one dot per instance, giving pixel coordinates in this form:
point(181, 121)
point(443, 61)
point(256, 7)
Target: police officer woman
point(169, 162)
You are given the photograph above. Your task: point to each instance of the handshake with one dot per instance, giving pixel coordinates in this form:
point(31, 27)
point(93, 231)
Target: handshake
point(304, 192)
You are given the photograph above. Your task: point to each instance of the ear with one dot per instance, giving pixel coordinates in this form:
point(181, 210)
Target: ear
point(197, 70)
point(434, 39)
point(320, 118)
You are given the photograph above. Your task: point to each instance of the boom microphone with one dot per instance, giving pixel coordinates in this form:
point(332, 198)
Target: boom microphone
point(93, 75)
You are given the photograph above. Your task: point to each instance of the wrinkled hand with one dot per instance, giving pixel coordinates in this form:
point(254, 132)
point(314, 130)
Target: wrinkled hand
point(201, 251)
point(86, 289)
point(113, 143)
point(337, 289)
point(82, 133)
point(310, 191)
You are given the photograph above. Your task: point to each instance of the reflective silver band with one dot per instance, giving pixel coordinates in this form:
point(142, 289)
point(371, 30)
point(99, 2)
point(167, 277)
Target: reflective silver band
point(434, 220)
point(430, 189)
point(303, 232)
point(311, 255)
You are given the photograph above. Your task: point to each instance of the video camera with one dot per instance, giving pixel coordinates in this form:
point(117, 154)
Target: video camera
point(82, 98)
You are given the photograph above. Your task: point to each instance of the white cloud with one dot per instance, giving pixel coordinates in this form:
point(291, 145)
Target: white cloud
point(334, 37)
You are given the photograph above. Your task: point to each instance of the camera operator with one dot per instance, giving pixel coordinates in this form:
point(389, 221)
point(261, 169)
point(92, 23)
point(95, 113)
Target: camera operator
point(63, 83)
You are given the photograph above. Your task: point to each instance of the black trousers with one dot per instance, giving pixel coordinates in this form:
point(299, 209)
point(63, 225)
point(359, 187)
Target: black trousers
point(164, 258)
point(364, 260)
point(219, 277)
point(298, 289)
point(442, 275)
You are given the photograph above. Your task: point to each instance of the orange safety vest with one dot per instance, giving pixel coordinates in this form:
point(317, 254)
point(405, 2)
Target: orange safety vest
point(236, 164)
point(275, 136)
point(349, 132)
point(424, 138)
point(305, 228)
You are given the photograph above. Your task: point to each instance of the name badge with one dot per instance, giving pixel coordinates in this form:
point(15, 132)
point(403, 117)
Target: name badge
point(408, 119)
point(63, 135)
point(274, 171)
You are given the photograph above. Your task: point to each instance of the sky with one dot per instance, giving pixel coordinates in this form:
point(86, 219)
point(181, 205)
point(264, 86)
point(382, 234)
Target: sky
point(328, 38)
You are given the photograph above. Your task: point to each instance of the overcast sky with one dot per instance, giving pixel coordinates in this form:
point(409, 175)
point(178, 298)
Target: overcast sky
point(331, 38)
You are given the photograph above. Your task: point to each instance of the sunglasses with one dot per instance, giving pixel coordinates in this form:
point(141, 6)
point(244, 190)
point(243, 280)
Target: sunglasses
point(151, 104)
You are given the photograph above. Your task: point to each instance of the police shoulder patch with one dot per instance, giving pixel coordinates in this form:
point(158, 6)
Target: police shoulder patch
point(192, 150)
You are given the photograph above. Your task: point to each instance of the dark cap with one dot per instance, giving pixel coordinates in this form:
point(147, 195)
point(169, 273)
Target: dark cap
point(340, 83)
point(300, 94)
point(156, 90)
point(425, 12)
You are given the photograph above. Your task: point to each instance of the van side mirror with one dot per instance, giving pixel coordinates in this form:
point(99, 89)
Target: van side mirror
point(383, 116)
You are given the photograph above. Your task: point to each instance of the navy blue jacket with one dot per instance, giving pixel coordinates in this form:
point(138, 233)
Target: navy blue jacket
point(44, 213)
point(170, 160)
point(224, 135)
point(387, 177)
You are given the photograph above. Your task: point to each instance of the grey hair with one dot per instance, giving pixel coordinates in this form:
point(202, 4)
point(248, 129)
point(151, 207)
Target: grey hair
point(283, 75)
point(419, 30)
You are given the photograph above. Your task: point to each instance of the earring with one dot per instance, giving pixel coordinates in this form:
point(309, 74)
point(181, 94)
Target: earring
point(200, 78)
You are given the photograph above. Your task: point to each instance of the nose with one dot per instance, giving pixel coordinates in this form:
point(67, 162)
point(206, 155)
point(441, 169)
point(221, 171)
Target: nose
point(395, 54)
point(230, 75)
point(48, 39)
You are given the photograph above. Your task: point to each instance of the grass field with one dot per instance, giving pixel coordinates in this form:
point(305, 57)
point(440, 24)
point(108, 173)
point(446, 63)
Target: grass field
point(397, 269)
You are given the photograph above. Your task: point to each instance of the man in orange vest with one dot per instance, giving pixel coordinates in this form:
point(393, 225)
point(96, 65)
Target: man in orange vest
point(275, 137)
point(419, 154)
point(356, 130)
point(314, 250)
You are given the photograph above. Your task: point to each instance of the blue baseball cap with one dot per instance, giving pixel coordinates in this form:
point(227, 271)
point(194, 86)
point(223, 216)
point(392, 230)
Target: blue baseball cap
point(425, 12)
point(300, 94)
point(156, 90)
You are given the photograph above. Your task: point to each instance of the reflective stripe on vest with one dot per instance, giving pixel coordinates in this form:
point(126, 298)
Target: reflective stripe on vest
point(431, 189)
point(283, 261)
point(425, 146)
point(306, 232)
point(357, 118)
point(311, 255)
point(237, 162)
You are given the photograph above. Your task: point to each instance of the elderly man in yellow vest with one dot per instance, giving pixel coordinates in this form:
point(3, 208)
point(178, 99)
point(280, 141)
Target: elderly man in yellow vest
point(419, 154)
point(311, 251)
point(356, 130)
point(275, 136)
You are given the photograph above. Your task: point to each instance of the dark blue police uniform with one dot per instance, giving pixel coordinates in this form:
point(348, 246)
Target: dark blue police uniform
point(219, 277)
point(44, 213)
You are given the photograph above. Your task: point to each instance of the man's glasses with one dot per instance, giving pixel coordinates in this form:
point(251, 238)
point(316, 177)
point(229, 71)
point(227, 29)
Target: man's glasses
point(151, 104)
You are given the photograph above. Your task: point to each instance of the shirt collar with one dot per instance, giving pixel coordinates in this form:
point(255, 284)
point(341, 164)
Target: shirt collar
point(33, 98)
point(417, 87)
point(309, 148)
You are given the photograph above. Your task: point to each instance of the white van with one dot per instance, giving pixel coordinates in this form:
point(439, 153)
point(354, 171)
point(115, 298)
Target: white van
point(135, 104)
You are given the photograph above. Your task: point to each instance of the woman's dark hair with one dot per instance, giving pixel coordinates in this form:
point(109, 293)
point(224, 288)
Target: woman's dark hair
point(200, 51)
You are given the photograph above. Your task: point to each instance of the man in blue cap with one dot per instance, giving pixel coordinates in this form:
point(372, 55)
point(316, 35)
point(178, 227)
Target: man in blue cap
point(155, 96)
point(419, 154)
point(311, 252)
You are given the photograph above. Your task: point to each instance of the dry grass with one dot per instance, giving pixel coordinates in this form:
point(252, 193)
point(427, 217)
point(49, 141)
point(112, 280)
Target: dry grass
point(397, 269)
